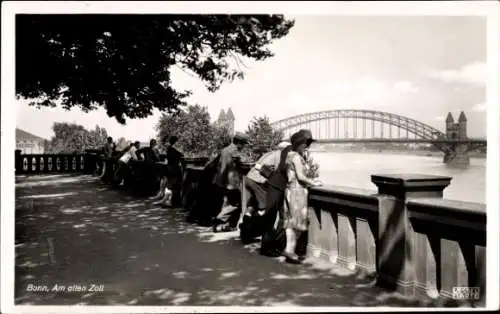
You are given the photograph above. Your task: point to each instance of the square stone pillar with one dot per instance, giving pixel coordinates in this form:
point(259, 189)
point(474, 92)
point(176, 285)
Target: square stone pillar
point(395, 254)
point(18, 162)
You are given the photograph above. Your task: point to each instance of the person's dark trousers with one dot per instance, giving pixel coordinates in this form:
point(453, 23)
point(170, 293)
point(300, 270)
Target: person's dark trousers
point(174, 183)
point(148, 180)
point(120, 173)
point(251, 226)
point(207, 205)
point(273, 238)
point(109, 170)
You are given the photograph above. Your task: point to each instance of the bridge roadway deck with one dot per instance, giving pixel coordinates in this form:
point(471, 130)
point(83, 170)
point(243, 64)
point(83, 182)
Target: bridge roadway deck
point(76, 230)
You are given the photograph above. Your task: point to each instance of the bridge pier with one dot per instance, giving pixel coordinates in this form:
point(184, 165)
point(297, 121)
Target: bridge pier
point(458, 157)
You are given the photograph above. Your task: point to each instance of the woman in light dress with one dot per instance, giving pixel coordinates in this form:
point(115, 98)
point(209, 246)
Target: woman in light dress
point(295, 218)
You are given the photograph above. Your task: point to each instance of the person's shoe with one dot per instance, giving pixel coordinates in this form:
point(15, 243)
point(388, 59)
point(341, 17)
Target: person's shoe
point(302, 258)
point(291, 258)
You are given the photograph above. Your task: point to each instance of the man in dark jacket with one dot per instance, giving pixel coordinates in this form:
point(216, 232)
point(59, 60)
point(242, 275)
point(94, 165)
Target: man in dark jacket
point(150, 155)
point(228, 182)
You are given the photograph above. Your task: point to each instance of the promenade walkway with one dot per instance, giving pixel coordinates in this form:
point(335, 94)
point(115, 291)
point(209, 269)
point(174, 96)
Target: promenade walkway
point(74, 230)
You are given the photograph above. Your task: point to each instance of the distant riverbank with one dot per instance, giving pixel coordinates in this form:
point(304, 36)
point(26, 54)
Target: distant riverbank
point(392, 152)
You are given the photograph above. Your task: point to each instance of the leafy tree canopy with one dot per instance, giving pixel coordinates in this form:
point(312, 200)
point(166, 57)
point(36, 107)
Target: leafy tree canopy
point(263, 138)
point(123, 62)
point(192, 127)
point(122, 144)
point(73, 138)
point(221, 137)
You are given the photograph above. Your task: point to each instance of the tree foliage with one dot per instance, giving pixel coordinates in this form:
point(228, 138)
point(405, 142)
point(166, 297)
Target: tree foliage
point(73, 138)
point(221, 137)
point(263, 138)
point(191, 126)
point(123, 62)
point(122, 144)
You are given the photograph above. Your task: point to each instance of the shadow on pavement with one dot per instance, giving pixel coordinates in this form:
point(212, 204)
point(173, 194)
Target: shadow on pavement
point(74, 230)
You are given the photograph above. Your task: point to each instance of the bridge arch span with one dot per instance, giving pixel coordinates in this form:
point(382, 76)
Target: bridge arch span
point(419, 129)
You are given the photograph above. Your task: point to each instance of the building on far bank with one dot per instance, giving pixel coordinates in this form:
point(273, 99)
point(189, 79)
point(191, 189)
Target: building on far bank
point(28, 143)
point(226, 120)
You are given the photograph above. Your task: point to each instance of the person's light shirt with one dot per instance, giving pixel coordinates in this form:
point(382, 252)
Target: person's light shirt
point(130, 154)
point(270, 159)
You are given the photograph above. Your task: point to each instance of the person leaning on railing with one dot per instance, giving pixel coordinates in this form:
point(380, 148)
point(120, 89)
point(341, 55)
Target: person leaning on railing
point(255, 185)
point(228, 182)
point(295, 218)
point(123, 168)
point(162, 173)
point(205, 206)
point(149, 156)
point(172, 174)
point(108, 162)
point(174, 170)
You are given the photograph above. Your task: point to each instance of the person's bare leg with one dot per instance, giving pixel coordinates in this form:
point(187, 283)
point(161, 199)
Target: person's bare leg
point(246, 210)
point(167, 200)
point(101, 176)
point(160, 193)
point(291, 243)
point(166, 197)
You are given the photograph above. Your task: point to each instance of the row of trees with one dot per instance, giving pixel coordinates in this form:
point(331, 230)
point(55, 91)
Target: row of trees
point(72, 138)
point(198, 137)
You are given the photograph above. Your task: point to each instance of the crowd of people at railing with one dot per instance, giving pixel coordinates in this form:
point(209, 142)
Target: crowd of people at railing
point(276, 188)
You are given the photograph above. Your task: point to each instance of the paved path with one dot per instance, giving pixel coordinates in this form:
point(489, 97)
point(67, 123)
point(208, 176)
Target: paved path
point(74, 230)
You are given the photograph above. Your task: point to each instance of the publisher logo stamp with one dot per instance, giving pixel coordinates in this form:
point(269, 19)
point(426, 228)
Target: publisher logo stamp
point(466, 293)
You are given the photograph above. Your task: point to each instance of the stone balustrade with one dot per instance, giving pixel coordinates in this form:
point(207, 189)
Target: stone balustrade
point(405, 234)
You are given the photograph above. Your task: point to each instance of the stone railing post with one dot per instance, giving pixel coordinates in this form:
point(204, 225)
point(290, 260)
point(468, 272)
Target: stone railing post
point(396, 262)
point(18, 162)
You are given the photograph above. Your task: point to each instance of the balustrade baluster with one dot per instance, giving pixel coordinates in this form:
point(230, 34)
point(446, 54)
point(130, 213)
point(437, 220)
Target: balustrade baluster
point(42, 164)
point(25, 164)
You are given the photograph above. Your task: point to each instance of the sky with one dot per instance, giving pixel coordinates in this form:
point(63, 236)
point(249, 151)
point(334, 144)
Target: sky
point(421, 67)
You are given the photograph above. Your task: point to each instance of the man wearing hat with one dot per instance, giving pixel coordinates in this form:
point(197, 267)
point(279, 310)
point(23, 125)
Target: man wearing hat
point(255, 186)
point(227, 181)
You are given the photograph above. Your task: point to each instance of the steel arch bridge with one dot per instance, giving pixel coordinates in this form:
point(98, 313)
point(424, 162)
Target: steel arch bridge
point(370, 126)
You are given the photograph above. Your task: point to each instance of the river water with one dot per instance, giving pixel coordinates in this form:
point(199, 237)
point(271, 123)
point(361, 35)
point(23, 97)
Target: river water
point(354, 170)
